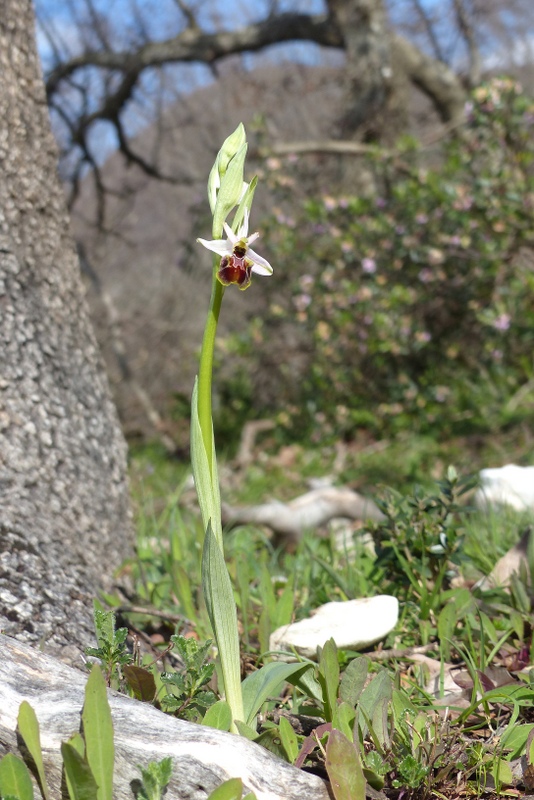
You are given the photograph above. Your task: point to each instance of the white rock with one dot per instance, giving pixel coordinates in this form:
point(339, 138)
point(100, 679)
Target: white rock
point(353, 625)
point(506, 486)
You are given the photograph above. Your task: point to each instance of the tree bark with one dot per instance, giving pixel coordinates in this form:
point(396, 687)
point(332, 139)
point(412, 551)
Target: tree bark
point(368, 74)
point(65, 521)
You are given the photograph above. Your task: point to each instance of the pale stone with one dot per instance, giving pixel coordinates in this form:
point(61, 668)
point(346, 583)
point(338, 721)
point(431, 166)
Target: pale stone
point(353, 625)
point(510, 485)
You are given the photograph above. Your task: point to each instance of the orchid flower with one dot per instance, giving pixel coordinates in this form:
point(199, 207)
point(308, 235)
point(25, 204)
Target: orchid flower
point(238, 260)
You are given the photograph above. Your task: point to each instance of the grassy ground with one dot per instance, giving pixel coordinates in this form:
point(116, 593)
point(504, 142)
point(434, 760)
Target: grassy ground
point(429, 554)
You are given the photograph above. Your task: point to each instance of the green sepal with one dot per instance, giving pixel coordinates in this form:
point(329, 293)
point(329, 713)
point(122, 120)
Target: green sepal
point(230, 191)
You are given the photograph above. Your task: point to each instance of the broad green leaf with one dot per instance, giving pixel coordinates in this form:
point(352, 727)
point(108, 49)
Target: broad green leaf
point(289, 739)
point(98, 733)
point(343, 719)
point(502, 772)
point(264, 683)
point(353, 680)
point(329, 677)
point(15, 778)
point(373, 707)
point(245, 730)
point(219, 716)
point(515, 738)
point(76, 741)
point(81, 784)
point(206, 480)
point(220, 604)
point(344, 768)
point(308, 683)
point(29, 730)
point(229, 790)
point(271, 741)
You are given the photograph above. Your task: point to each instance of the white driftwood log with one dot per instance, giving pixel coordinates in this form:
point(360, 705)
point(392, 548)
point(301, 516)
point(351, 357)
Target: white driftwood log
point(310, 510)
point(202, 757)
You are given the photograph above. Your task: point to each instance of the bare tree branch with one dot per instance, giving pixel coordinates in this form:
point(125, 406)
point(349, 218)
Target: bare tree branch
point(466, 29)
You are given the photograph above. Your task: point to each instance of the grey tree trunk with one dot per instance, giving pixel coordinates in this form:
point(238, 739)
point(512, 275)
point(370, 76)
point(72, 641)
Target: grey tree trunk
point(380, 67)
point(64, 506)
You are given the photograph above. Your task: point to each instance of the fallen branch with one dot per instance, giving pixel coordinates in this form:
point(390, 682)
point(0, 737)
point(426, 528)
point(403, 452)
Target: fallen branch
point(202, 757)
point(289, 521)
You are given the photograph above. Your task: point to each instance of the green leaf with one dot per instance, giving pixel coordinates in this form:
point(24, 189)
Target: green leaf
point(206, 484)
point(343, 719)
point(329, 677)
point(81, 784)
point(270, 740)
point(373, 707)
point(29, 730)
point(98, 733)
point(344, 768)
point(246, 731)
point(289, 739)
point(264, 683)
point(219, 716)
point(229, 790)
point(502, 772)
point(353, 680)
point(220, 604)
point(515, 738)
point(15, 778)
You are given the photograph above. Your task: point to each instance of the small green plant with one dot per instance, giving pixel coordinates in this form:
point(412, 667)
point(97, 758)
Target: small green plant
point(420, 546)
point(112, 650)
point(154, 779)
point(187, 694)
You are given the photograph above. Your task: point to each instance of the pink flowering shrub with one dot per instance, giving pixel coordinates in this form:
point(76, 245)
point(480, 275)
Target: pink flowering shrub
point(412, 308)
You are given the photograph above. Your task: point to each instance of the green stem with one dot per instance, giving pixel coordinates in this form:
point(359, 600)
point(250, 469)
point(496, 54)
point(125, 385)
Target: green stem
point(206, 368)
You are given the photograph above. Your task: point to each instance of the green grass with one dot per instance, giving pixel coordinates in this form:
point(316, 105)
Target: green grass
point(438, 609)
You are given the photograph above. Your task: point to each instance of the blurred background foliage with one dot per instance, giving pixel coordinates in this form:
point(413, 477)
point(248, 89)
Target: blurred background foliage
point(408, 308)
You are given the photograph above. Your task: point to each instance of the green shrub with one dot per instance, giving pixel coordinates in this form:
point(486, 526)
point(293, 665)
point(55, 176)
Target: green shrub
point(412, 308)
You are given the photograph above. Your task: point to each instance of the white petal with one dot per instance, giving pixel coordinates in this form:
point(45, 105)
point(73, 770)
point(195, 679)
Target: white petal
point(220, 246)
point(252, 237)
point(260, 265)
point(233, 238)
point(243, 230)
